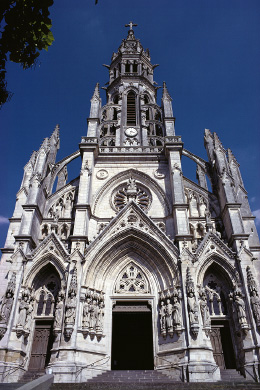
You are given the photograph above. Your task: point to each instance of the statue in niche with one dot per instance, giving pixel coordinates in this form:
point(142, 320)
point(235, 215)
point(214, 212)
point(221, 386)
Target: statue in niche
point(177, 313)
point(162, 314)
point(93, 317)
point(59, 311)
point(100, 315)
point(70, 312)
point(205, 314)
point(29, 318)
point(25, 317)
point(241, 309)
point(23, 307)
point(86, 314)
point(254, 298)
point(6, 307)
point(255, 302)
point(193, 308)
point(59, 208)
point(169, 321)
point(7, 304)
point(68, 204)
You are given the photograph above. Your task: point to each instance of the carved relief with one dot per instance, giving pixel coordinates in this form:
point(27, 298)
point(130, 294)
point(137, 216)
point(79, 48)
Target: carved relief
point(7, 304)
point(192, 304)
point(93, 313)
point(170, 312)
point(254, 297)
point(132, 280)
point(102, 174)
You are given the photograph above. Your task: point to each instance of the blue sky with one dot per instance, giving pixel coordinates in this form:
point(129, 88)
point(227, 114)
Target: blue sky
point(208, 51)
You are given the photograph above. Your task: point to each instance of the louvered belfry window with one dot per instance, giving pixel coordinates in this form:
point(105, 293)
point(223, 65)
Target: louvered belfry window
point(131, 113)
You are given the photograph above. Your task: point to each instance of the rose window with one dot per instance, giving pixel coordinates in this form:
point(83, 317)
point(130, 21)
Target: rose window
point(131, 192)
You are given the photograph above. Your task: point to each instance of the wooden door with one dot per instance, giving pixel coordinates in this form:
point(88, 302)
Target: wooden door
point(218, 354)
point(41, 341)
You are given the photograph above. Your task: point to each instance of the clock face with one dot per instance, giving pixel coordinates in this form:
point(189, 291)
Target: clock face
point(131, 132)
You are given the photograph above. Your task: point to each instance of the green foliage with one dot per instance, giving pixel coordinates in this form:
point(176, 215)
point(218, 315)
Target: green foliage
point(25, 26)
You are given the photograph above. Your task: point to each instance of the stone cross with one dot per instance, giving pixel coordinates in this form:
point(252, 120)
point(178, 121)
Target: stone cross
point(131, 24)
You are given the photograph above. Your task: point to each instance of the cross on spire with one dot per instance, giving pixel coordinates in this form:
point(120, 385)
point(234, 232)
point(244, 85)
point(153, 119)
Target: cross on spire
point(131, 25)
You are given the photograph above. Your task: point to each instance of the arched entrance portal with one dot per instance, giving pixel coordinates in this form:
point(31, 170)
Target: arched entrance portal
point(46, 286)
point(222, 333)
point(132, 336)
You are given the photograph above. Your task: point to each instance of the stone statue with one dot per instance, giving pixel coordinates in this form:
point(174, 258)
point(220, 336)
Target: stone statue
point(193, 309)
point(169, 321)
point(241, 309)
point(255, 303)
point(177, 313)
point(59, 311)
point(70, 312)
point(93, 317)
point(29, 318)
point(100, 315)
point(23, 307)
point(204, 309)
point(86, 314)
point(6, 307)
point(162, 314)
point(7, 304)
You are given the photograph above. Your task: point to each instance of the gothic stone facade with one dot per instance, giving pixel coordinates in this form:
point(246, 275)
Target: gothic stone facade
point(130, 265)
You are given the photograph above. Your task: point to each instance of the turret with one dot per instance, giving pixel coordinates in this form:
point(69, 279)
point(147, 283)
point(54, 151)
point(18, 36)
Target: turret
point(94, 116)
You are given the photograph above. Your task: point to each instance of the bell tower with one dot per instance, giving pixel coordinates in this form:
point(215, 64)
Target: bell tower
point(131, 116)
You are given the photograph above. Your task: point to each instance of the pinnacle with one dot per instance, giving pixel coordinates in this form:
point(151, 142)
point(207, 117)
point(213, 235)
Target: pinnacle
point(166, 94)
point(96, 91)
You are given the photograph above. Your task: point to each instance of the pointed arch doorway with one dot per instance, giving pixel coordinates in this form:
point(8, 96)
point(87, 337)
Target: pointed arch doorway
point(46, 285)
point(222, 336)
point(132, 336)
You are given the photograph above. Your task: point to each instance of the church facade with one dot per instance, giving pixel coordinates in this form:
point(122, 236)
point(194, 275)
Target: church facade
point(131, 265)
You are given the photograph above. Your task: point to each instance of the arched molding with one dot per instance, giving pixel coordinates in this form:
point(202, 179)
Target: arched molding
point(224, 267)
point(137, 175)
point(106, 260)
point(40, 263)
point(131, 88)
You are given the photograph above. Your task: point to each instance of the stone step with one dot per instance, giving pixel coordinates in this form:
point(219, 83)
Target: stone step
point(29, 376)
point(135, 376)
point(156, 386)
point(9, 386)
point(232, 375)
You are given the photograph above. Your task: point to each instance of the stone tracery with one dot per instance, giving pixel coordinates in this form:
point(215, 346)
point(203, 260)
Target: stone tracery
point(132, 281)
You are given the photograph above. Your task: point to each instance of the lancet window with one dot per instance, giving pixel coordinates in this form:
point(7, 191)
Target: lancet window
point(131, 109)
